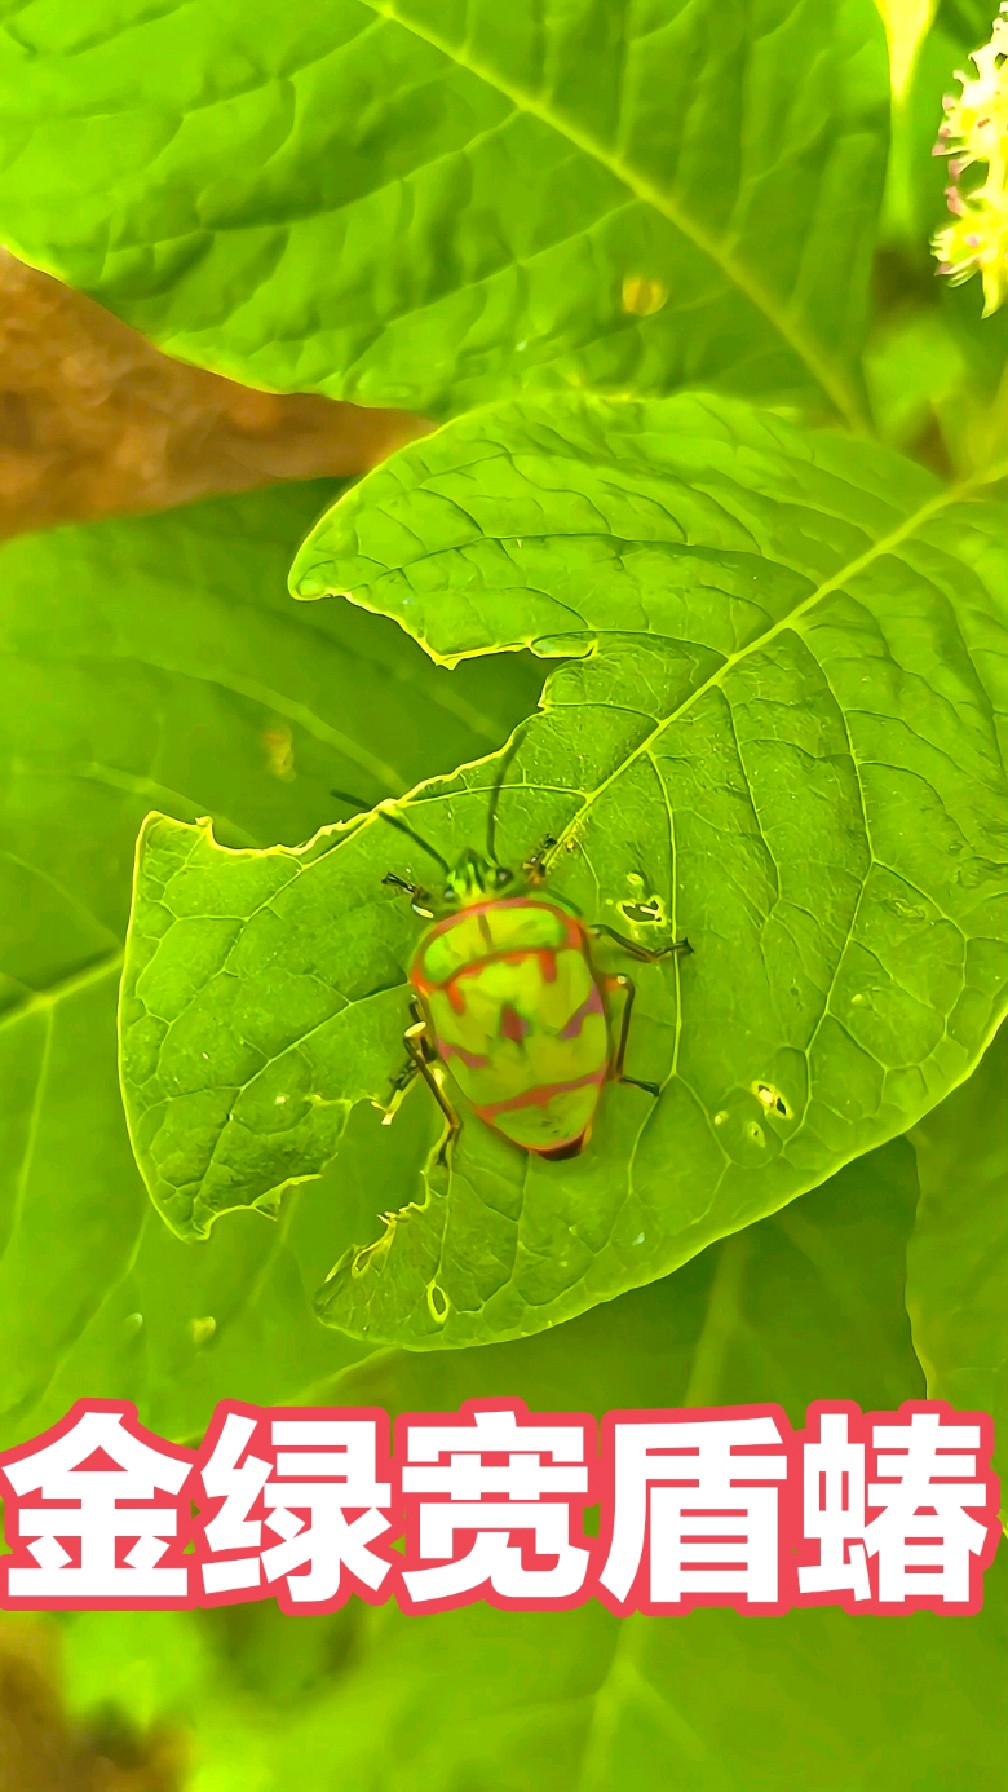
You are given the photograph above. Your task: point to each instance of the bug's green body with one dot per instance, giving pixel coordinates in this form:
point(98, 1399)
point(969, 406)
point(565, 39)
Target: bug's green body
point(508, 1002)
point(518, 1017)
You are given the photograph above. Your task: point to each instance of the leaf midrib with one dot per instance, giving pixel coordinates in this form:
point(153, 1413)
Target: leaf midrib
point(788, 623)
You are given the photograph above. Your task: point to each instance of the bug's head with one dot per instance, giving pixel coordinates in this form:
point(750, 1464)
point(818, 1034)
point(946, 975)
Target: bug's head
point(473, 878)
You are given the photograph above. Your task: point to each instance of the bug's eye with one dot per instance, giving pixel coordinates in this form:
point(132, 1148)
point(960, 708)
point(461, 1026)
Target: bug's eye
point(502, 876)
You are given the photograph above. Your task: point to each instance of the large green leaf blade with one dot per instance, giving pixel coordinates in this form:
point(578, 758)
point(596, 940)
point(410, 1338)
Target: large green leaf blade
point(783, 726)
point(428, 205)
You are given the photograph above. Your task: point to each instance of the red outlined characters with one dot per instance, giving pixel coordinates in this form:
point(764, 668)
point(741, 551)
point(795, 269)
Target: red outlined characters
point(95, 1516)
point(296, 1505)
point(834, 1512)
point(884, 1513)
point(492, 1502)
point(692, 1509)
point(902, 1506)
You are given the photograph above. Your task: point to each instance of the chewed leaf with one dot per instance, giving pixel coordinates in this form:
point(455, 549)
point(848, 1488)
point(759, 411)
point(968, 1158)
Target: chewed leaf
point(778, 731)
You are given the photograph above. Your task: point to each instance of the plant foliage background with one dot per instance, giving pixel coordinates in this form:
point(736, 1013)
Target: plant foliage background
point(721, 465)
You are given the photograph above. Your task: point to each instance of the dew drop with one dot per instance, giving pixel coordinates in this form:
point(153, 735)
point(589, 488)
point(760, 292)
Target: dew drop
point(721, 1117)
point(202, 1330)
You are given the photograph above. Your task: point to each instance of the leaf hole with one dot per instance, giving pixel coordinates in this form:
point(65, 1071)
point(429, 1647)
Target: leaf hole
point(649, 913)
point(771, 1099)
point(438, 1302)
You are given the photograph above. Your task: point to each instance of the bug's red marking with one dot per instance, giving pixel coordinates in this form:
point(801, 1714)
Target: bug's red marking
point(547, 956)
point(592, 1004)
point(472, 1060)
point(456, 996)
point(574, 935)
point(538, 1097)
point(547, 965)
point(513, 1025)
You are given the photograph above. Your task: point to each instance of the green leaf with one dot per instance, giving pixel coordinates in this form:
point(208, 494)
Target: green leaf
point(957, 1266)
point(784, 726)
point(162, 661)
point(428, 205)
point(807, 1304)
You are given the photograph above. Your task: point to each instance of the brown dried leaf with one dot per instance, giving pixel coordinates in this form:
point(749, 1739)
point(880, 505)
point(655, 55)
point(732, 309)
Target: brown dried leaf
point(94, 421)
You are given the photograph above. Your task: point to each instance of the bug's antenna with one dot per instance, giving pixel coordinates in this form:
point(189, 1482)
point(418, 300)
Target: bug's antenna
point(395, 821)
point(496, 788)
point(356, 802)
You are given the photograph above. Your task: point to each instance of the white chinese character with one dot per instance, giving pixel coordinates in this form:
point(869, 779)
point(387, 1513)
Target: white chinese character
point(709, 1535)
point(923, 1537)
point(495, 1502)
point(834, 1504)
point(303, 1498)
point(232, 1528)
point(106, 1507)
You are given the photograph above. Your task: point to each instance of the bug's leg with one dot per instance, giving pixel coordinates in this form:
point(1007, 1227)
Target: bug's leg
point(420, 1056)
point(419, 897)
point(616, 1073)
point(646, 954)
point(417, 1043)
point(404, 1079)
point(399, 1088)
point(535, 867)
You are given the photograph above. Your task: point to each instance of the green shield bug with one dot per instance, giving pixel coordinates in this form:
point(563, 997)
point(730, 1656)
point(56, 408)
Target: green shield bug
point(508, 1003)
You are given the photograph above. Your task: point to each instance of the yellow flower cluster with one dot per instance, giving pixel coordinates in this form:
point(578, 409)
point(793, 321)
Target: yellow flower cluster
point(975, 129)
